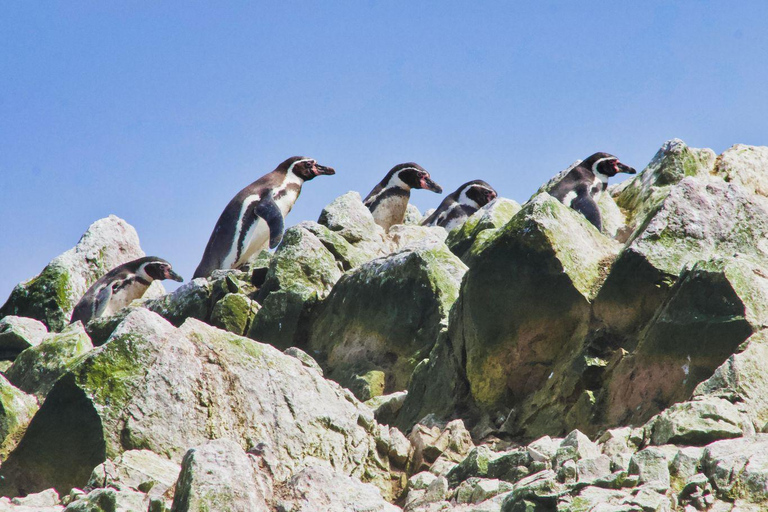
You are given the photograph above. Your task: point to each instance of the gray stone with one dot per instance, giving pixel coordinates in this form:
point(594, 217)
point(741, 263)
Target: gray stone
point(16, 411)
point(18, 334)
point(651, 466)
point(305, 358)
point(47, 498)
point(738, 468)
point(594, 468)
point(386, 407)
point(317, 488)
point(138, 470)
point(110, 500)
point(234, 313)
point(697, 422)
point(37, 369)
point(218, 476)
point(190, 300)
point(745, 165)
point(348, 217)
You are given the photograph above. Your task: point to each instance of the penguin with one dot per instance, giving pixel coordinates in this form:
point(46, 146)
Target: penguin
point(581, 186)
point(121, 285)
point(459, 205)
point(389, 199)
point(255, 217)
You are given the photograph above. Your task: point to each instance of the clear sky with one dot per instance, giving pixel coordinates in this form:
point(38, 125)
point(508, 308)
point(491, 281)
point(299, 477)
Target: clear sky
point(159, 112)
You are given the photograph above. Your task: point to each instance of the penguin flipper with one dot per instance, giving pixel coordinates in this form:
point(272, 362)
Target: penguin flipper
point(588, 207)
point(101, 301)
point(268, 210)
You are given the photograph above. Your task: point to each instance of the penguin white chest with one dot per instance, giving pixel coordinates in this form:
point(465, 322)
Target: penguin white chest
point(391, 211)
point(123, 296)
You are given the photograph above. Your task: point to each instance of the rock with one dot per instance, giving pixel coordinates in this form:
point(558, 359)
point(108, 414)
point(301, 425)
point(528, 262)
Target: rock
point(305, 358)
point(155, 387)
point(524, 307)
point(584, 448)
point(567, 472)
point(413, 216)
point(711, 310)
point(234, 313)
point(742, 380)
point(37, 369)
point(685, 464)
point(640, 195)
point(402, 236)
point(386, 407)
point(52, 294)
point(697, 422)
point(301, 272)
point(746, 166)
point(217, 476)
point(138, 470)
point(400, 449)
point(475, 464)
point(110, 500)
point(491, 216)
point(18, 334)
point(318, 488)
point(738, 468)
point(348, 217)
point(614, 220)
point(510, 466)
point(385, 316)
point(594, 499)
point(618, 446)
point(16, 411)
point(190, 300)
point(366, 385)
point(651, 467)
point(452, 443)
point(648, 498)
point(541, 488)
point(591, 469)
point(420, 481)
point(47, 498)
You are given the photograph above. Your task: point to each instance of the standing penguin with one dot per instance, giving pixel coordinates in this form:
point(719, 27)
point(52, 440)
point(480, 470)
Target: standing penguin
point(255, 217)
point(389, 199)
point(121, 285)
point(459, 205)
point(582, 185)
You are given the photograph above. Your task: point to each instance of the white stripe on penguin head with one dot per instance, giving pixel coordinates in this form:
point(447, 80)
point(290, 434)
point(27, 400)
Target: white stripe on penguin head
point(603, 177)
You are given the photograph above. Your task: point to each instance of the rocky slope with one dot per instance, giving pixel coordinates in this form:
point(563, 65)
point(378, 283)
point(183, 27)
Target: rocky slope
point(523, 362)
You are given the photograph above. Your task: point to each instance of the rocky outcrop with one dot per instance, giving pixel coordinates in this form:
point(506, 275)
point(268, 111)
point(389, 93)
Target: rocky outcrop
point(18, 334)
point(51, 295)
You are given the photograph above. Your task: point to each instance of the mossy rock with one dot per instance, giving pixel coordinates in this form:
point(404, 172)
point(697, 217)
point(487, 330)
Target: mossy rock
point(37, 369)
point(16, 411)
point(386, 315)
point(234, 313)
point(491, 216)
point(18, 334)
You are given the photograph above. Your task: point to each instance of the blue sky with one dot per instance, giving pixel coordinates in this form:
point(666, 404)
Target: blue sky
point(159, 112)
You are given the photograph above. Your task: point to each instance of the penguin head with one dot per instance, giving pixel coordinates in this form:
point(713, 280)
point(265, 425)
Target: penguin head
point(476, 193)
point(154, 268)
point(306, 168)
point(607, 165)
point(413, 175)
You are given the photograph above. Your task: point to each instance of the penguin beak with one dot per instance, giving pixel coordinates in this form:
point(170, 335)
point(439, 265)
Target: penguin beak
point(428, 184)
point(625, 168)
point(321, 169)
point(170, 274)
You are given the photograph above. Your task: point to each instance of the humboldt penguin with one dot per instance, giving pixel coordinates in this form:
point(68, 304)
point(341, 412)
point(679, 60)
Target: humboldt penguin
point(255, 217)
point(121, 285)
point(459, 205)
point(581, 186)
point(389, 199)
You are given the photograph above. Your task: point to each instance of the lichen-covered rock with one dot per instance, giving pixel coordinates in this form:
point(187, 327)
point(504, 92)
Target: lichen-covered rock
point(319, 488)
point(37, 369)
point(155, 387)
point(652, 468)
point(643, 193)
point(386, 407)
point(413, 216)
point(491, 216)
point(138, 470)
point(234, 313)
point(524, 307)
point(385, 316)
point(711, 310)
point(18, 334)
point(52, 294)
point(301, 272)
point(745, 165)
point(688, 226)
point(111, 500)
point(347, 255)
point(190, 300)
point(218, 476)
point(401, 236)
point(349, 217)
point(697, 422)
point(16, 411)
point(738, 468)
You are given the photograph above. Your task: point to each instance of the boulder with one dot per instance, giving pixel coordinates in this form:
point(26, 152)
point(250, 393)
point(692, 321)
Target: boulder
point(137, 470)
point(746, 166)
point(710, 311)
point(524, 310)
point(319, 488)
point(52, 295)
point(301, 272)
point(350, 218)
point(697, 422)
point(112, 500)
point(652, 468)
point(37, 369)
point(382, 318)
point(492, 216)
point(218, 476)
point(193, 299)
point(738, 468)
point(234, 313)
point(16, 411)
point(18, 334)
point(155, 387)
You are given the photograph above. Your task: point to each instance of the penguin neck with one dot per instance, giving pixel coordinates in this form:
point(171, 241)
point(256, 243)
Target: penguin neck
point(466, 200)
point(287, 192)
point(395, 182)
